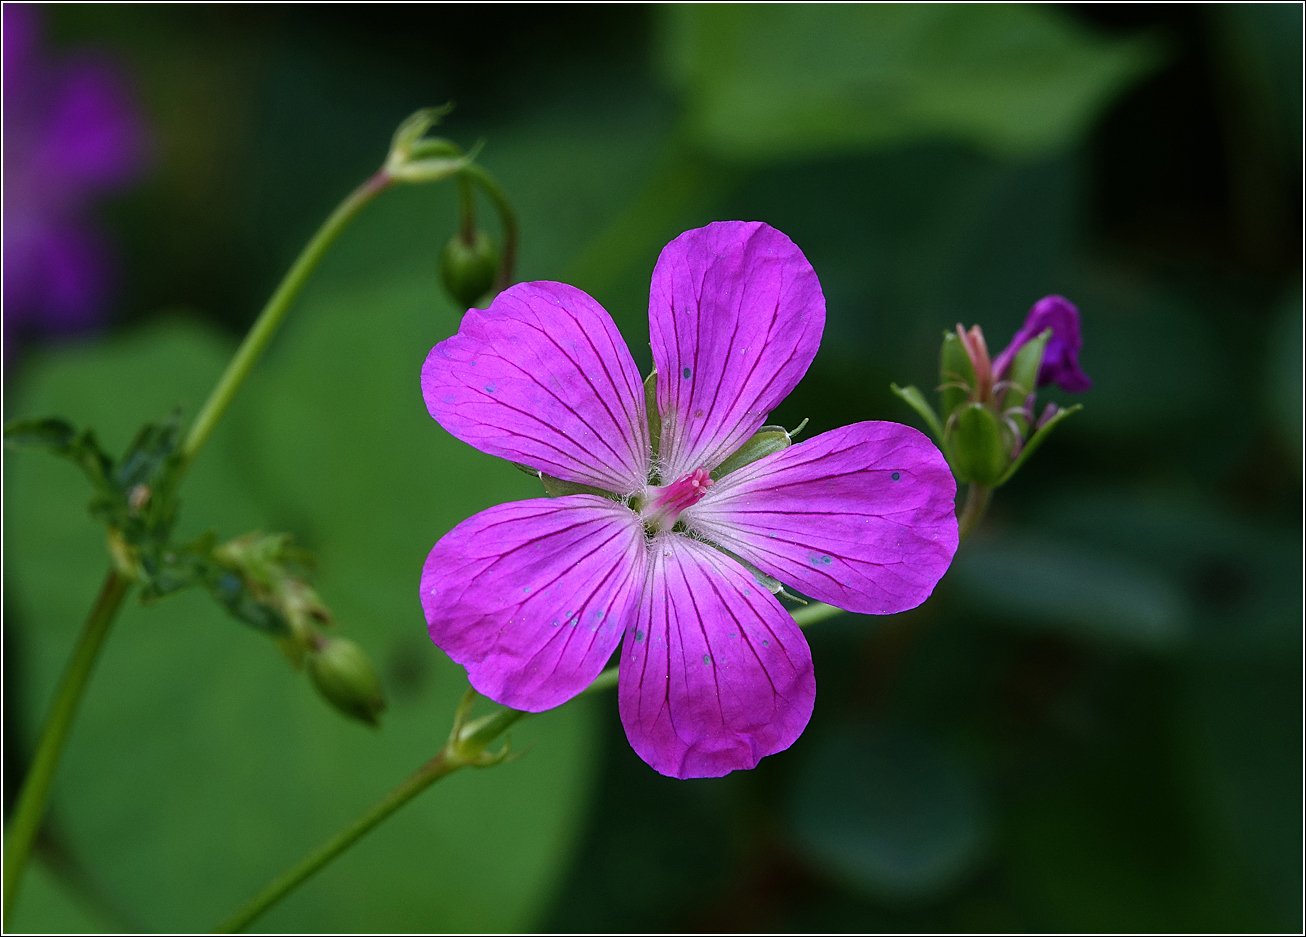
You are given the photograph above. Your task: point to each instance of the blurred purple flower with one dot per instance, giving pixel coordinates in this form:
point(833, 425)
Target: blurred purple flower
point(1060, 363)
point(71, 133)
point(533, 597)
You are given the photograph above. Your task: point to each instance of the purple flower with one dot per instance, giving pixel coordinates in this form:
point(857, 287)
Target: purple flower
point(533, 597)
point(1060, 363)
point(71, 133)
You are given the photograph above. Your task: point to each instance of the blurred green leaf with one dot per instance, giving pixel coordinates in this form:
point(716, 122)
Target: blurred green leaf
point(889, 813)
point(201, 764)
point(49, 907)
point(1283, 388)
point(1063, 586)
point(789, 80)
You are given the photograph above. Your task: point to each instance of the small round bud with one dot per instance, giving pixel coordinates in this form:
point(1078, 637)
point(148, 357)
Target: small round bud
point(468, 270)
point(343, 674)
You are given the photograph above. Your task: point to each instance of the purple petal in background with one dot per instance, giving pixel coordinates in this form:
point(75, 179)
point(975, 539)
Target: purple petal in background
point(94, 137)
point(735, 318)
point(1060, 364)
point(543, 377)
point(860, 517)
point(71, 133)
point(715, 674)
point(532, 597)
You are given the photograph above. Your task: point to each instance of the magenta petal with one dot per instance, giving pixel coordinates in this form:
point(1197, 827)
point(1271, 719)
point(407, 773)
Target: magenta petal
point(735, 318)
point(1060, 363)
point(532, 597)
point(860, 517)
point(715, 675)
point(543, 377)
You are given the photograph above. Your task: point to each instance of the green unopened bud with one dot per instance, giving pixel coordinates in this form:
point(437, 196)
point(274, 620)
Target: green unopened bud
point(980, 450)
point(468, 270)
point(343, 674)
point(956, 375)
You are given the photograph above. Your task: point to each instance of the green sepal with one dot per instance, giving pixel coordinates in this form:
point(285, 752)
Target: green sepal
point(468, 270)
point(414, 159)
point(415, 126)
point(1035, 441)
point(1022, 376)
point(916, 400)
point(342, 672)
point(769, 583)
point(979, 451)
point(651, 407)
point(557, 488)
point(763, 443)
point(955, 369)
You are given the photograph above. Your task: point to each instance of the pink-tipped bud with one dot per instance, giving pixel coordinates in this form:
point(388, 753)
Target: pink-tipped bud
point(978, 352)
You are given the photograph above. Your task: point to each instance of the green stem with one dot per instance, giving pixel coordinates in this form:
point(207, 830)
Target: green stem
point(466, 209)
point(977, 502)
point(256, 341)
point(435, 769)
point(507, 218)
point(36, 786)
point(464, 747)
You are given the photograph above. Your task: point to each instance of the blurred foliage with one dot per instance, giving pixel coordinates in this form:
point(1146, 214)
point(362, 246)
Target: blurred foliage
point(1094, 724)
point(762, 82)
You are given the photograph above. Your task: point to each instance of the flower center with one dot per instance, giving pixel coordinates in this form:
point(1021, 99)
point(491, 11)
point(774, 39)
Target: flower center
point(661, 506)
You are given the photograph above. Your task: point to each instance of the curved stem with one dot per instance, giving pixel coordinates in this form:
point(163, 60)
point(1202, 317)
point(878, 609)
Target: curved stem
point(466, 210)
point(507, 218)
point(435, 769)
point(472, 739)
point(977, 502)
point(36, 786)
point(256, 341)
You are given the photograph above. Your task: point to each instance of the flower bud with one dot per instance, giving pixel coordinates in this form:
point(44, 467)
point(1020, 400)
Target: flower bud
point(980, 447)
point(468, 270)
point(343, 674)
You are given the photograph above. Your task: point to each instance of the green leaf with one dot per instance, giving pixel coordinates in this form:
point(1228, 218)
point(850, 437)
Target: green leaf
point(1051, 585)
point(1035, 441)
point(61, 438)
point(49, 433)
point(771, 81)
point(889, 813)
point(196, 739)
point(916, 400)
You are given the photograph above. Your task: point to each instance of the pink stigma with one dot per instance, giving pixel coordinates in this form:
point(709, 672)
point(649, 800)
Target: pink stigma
point(663, 505)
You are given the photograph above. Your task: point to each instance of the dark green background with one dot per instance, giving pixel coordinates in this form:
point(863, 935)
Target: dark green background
point(1095, 722)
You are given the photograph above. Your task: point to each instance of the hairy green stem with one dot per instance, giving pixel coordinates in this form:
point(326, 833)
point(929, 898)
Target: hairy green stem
point(256, 341)
point(977, 502)
point(35, 793)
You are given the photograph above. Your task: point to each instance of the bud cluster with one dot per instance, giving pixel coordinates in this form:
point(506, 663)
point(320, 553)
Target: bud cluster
point(989, 427)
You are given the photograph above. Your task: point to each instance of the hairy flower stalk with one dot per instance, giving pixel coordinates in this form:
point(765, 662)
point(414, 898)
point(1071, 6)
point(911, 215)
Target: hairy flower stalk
point(534, 597)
